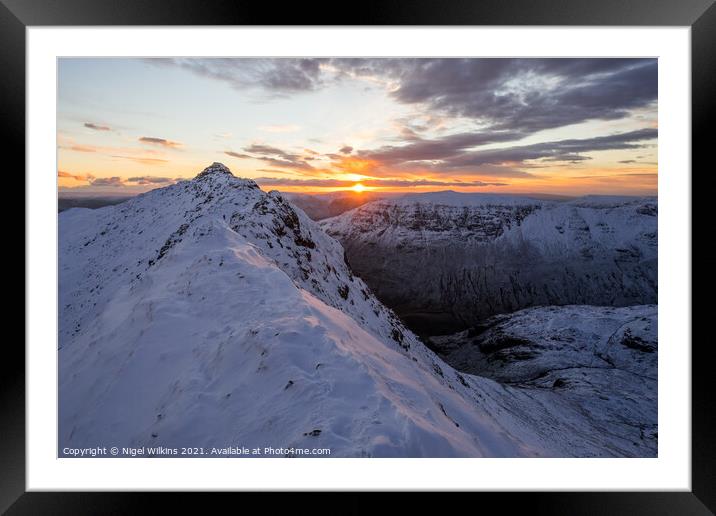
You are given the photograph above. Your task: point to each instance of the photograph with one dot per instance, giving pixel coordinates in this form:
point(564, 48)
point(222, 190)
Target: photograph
point(357, 257)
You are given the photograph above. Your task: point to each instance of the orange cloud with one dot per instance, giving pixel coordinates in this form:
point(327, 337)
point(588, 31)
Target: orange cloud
point(81, 148)
point(76, 177)
point(356, 165)
point(84, 181)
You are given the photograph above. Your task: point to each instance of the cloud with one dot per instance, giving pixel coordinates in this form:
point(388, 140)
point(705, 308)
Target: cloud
point(79, 148)
point(569, 158)
point(517, 94)
point(426, 182)
point(140, 155)
point(636, 161)
point(280, 76)
point(469, 115)
point(258, 148)
point(564, 150)
point(394, 183)
point(630, 174)
point(110, 151)
point(454, 152)
point(279, 181)
point(161, 142)
point(460, 153)
point(76, 177)
point(411, 125)
point(107, 181)
point(276, 157)
point(237, 155)
point(90, 125)
point(437, 149)
point(116, 181)
point(281, 163)
point(151, 180)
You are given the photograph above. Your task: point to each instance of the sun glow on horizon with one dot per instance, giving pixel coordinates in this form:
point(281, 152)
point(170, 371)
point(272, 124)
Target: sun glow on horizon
point(437, 136)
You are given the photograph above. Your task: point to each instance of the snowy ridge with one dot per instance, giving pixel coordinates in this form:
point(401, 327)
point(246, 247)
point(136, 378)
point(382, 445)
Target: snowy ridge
point(456, 258)
point(212, 314)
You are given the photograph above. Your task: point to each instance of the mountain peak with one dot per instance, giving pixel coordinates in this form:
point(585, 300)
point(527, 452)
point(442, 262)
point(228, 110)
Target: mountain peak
point(214, 169)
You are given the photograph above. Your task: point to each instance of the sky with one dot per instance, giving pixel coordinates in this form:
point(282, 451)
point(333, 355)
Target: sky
point(554, 126)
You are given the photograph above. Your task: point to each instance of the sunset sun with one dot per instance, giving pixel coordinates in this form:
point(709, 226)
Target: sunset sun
point(358, 188)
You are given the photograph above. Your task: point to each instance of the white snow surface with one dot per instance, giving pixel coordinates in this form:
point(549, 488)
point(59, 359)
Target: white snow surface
point(602, 359)
point(212, 314)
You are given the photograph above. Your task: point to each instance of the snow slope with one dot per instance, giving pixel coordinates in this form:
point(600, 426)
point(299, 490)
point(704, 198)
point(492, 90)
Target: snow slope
point(600, 358)
point(445, 260)
point(212, 314)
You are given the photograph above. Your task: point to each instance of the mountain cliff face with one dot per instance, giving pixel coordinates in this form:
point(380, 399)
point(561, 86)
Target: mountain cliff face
point(446, 260)
point(212, 314)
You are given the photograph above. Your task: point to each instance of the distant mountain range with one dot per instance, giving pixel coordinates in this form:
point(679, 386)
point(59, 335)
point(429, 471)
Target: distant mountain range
point(323, 206)
point(445, 260)
point(65, 203)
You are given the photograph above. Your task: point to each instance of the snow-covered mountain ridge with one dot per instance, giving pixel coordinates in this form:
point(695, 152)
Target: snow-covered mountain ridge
point(212, 314)
point(601, 358)
point(449, 259)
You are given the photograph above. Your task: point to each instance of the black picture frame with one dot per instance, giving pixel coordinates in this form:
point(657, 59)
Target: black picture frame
point(700, 15)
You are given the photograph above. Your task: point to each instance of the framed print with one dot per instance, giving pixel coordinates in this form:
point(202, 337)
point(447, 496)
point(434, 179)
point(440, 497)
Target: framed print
point(436, 250)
